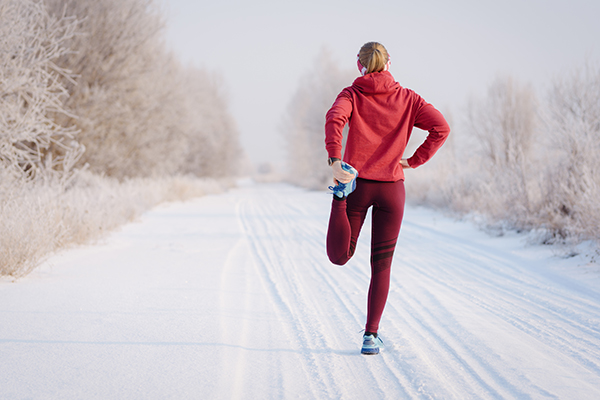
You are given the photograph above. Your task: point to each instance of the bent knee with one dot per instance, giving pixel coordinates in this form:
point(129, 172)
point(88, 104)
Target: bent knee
point(339, 261)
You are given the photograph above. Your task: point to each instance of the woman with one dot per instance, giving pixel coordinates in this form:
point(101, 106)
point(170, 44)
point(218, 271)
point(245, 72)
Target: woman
point(381, 115)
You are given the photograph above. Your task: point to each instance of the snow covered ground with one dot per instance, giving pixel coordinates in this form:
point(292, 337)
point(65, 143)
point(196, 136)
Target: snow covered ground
point(232, 297)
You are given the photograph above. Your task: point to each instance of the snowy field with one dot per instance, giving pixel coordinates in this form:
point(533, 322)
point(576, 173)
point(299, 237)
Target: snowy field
point(232, 297)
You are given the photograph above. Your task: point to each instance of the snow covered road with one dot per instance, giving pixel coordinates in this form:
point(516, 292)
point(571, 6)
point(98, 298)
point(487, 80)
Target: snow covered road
point(232, 297)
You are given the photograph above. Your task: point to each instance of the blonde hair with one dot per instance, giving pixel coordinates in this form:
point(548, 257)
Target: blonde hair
point(373, 56)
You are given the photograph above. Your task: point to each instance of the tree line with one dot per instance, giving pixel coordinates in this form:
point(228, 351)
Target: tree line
point(99, 121)
point(92, 84)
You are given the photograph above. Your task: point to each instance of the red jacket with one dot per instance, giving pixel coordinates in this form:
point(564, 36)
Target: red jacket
point(381, 115)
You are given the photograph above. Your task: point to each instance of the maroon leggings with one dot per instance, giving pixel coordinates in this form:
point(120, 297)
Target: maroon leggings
point(346, 220)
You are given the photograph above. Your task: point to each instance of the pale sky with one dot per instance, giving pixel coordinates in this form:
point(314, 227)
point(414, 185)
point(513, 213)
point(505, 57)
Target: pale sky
point(444, 50)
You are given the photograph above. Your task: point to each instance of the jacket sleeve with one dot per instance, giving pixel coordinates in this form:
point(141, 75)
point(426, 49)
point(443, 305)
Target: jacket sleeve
point(335, 120)
point(429, 119)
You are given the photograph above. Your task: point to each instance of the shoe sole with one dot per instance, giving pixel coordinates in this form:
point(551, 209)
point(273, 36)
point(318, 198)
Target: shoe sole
point(369, 352)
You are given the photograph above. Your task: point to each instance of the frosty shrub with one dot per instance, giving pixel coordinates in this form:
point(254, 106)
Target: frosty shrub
point(32, 145)
point(572, 191)
point(532, 166)
point(490, 167)
point(304, 121)
point(28, 231)
point(37, 220)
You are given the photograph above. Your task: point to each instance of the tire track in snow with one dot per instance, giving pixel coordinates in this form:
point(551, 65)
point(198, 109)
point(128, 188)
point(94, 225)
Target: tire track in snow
point(549, 315)
point(541, 320)
point(286, 259)
point(458, 313)
point(448, 274)
point(355, 308)
point(503, 267)
point(269, 249)
point(248, 342)
point(449, 352)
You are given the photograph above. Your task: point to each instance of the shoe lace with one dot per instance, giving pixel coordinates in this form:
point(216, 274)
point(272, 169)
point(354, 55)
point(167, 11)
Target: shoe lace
point(338, 188)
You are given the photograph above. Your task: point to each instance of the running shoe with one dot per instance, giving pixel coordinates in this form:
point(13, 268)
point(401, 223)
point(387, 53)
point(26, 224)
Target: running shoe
point(371, 345)
point(342, 190)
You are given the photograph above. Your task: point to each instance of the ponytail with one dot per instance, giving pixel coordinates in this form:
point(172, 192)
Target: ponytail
point(373, 56)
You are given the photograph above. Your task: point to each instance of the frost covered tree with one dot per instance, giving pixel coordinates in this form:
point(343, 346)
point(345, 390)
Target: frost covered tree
point(303, 125)
point(213, 147)
point(124, 90)
point(572, 119)
point(139, 112)
point(32, 145)
point(78, 75)
point(533, 165)
point(504, 124)
point(96, 75)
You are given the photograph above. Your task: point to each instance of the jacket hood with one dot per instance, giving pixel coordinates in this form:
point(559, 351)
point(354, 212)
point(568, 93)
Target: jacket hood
point(376, 82)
